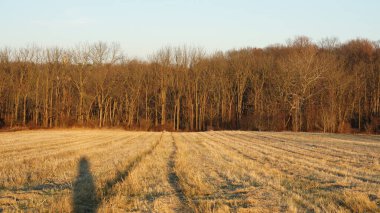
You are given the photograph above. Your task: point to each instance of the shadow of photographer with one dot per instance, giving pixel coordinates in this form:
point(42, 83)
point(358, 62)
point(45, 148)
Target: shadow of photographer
point(84, 192)
point(85, 197)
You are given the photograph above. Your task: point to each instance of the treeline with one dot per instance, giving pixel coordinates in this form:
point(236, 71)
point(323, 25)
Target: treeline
point(301, 86)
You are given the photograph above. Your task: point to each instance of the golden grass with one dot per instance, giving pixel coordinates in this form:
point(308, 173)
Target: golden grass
point(227, 171)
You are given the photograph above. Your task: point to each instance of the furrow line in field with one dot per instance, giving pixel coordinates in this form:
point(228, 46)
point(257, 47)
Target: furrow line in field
point(93, 142)
point(123, 152)
point(107, 190)
point(175, 181)
point(211, 162)
point(324, 146)
point(328, 139)
point(235, 184)
point(311, 161)
point(309, 156)
point(264, 174)
point(356, 158)
point(29, 140)
point(37, 145)
point(302, 162)
point(352, 138)
point(207, 182)
point(68, 156)
point(304, 145)
point(60, 146)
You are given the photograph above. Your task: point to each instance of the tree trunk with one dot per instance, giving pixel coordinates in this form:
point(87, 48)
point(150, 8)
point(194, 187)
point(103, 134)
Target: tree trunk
point(24, 112)
point(51, 109)
point(196, 108)
point(163, 107)
point(100, 105)
point(146, 105)
point(17, 101)
point(178, 113)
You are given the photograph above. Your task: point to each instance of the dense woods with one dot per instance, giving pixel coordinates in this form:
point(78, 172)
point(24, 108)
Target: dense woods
point(301, 86)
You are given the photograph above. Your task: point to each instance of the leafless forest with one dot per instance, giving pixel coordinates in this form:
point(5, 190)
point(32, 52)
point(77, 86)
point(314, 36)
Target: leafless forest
point(301, 86)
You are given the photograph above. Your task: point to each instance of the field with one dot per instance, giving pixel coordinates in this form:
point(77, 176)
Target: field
point(226, 171)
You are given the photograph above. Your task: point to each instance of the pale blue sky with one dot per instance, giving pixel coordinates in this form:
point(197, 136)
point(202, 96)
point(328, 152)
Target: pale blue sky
point(143, 26)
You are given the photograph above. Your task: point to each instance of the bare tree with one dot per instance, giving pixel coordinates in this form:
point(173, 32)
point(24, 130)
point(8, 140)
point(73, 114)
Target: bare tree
point(301, 86)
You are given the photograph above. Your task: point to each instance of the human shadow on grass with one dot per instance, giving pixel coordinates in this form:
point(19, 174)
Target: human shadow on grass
point(84, 196)
point(84, 191)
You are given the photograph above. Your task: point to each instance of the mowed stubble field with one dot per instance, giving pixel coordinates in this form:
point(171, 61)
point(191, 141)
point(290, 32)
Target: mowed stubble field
point(216, 171)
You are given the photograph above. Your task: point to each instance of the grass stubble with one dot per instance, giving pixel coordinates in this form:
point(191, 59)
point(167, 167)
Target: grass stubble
point(226, 171)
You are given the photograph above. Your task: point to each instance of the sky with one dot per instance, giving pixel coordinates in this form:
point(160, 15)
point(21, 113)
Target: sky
point(142, 27)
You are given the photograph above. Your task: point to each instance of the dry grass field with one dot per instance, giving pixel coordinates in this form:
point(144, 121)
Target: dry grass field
point(227, 171)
